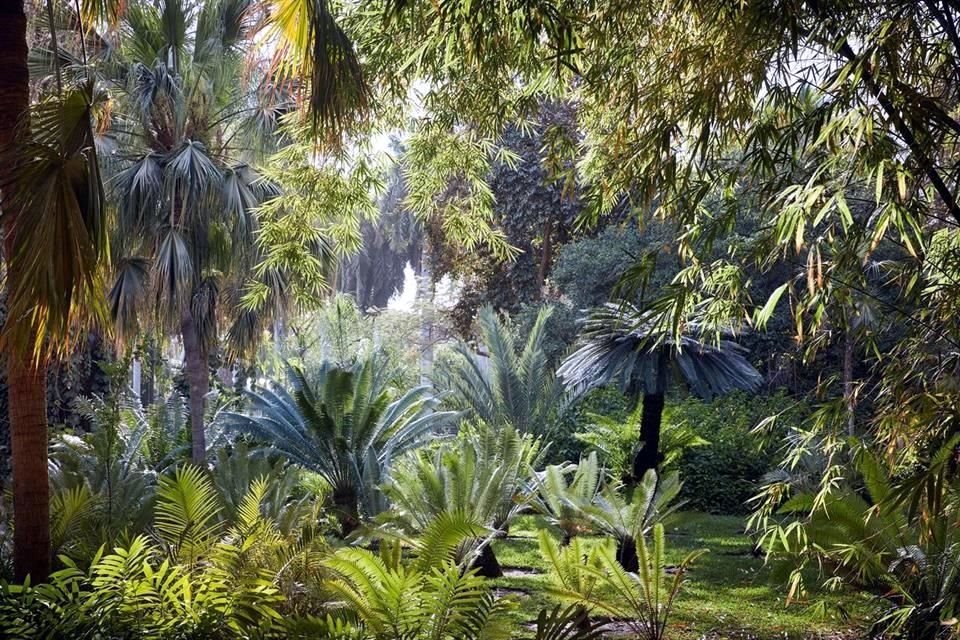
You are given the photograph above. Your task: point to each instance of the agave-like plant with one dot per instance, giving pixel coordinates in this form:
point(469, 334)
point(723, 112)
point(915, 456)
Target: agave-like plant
point(564, 502)
point(511, 386)
point(347, 425)
point(486, 475)
point(626, 345)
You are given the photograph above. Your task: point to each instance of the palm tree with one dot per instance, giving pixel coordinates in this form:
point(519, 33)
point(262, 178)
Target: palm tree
point(185, 190)
point(510, 387)
point(347, 426)
point(52, 214)
point(26, 379)
point(622, 344)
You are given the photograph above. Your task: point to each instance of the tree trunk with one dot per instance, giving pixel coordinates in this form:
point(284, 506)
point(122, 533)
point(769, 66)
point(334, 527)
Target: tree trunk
point(627, 554)
point(425, 296)
point(27, 380)
point(346, 510)
point(648, 457)
point(546, 256)
point(137, 377)
point(198, 378)
point(486, 564)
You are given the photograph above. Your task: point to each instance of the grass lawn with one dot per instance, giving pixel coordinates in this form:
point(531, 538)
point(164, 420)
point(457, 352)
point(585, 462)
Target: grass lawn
point(728, 594)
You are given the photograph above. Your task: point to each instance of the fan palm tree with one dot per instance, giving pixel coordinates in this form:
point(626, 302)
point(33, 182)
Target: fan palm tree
point(625, 345)
point(52, 215)
point(185, 191)
point(347, 426)
point(510, 387)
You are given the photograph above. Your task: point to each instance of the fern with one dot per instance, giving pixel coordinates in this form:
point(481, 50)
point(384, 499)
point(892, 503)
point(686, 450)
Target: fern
point(187, 513)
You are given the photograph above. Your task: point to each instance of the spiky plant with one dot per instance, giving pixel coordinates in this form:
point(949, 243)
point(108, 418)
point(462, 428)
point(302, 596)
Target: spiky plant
point(628, 346)
point(507, 386)
point(564, 502)
point(627, 513)
point(388, 596)
point(486, 475)
point(347, 425)
point(618, 442)
point(644, 598)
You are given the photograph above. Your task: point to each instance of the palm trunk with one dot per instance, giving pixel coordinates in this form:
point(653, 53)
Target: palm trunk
point(346, 507)
point(546, 256)
point(27, 383)
point(648, 457)
point(486, 563)
point(627, 554)
point(198, 378)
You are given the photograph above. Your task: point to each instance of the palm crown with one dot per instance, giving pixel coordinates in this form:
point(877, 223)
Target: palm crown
point(347, 425)
point(625, 345)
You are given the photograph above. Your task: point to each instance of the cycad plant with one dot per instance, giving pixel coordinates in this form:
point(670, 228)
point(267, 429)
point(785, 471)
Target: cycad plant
point(564, 501)
point(508, 386)
point(644, 598)
point(485, 475)
point(347, 425)
point(625, 345)
point(627, 513)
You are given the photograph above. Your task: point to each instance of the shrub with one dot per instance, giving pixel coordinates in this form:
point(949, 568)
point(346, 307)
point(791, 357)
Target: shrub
point(722, 476)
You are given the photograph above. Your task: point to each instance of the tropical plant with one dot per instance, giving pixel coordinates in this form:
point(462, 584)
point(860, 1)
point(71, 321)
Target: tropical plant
point(347, 425)
point(617, 441)
point(184, 188)
point(507, 387)
point(54, 222)
point(382, 598)
point(643, 598)
point(622, 344)
point(564, 502)
point(102, 487)
point(876, 538)
point(200, 575)
point(627, 513)
point(485, 475)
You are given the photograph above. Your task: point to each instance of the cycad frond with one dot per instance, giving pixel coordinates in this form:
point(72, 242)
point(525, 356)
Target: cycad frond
point(187, 513)
point(507, 387)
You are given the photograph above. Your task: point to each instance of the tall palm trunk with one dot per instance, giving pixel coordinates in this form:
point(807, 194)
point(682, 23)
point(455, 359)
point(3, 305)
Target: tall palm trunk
point(198, 379)
point(648, 457)
point(26, 378)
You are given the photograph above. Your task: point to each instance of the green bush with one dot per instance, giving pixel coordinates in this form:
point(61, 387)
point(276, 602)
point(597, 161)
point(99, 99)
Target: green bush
point(722, 476)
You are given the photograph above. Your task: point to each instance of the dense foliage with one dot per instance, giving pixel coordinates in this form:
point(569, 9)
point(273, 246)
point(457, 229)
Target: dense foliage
point(663, 254)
